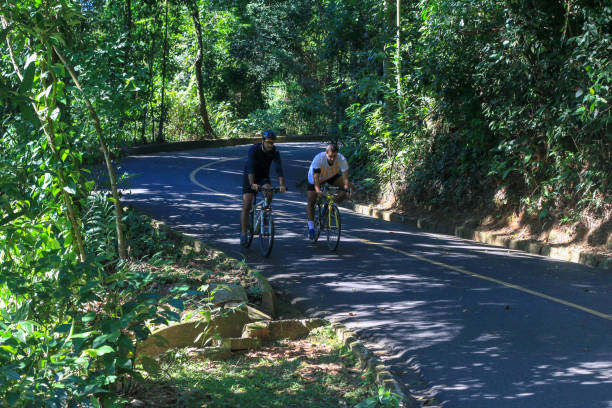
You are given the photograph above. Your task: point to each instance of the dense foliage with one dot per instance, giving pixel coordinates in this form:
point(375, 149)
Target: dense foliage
point(464, 103)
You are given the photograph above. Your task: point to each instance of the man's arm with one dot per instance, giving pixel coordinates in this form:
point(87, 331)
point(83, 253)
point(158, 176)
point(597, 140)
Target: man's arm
point(345, 179)
point(278, 167)
point(281, 181)
point(251, 167)
point(315, 176)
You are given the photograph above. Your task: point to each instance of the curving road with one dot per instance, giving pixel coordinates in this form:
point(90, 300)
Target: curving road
point(462, 324)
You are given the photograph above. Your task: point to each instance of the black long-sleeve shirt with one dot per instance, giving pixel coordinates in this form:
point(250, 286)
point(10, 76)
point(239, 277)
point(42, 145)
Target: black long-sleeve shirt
point(258, 162)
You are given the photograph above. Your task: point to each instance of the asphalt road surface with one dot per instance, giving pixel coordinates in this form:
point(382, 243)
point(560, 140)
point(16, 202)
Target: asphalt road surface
point(462, 324)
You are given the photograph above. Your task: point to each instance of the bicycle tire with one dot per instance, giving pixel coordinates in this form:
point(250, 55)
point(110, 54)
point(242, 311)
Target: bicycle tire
point(266, 233)
point(250, 231)
point(317, 222)
point(334, 227)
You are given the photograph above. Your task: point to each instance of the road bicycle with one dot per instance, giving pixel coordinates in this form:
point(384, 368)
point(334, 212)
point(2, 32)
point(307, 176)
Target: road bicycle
point(261, 221)
point(327, 216)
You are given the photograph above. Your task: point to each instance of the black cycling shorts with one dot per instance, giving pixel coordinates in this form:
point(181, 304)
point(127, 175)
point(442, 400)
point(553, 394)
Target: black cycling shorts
point(329, 181)
point(246, 186)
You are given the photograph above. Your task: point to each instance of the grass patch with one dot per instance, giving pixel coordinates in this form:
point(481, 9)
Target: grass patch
point(318, 371)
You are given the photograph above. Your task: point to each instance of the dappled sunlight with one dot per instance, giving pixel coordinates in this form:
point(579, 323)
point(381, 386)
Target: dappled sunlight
point(419, 300)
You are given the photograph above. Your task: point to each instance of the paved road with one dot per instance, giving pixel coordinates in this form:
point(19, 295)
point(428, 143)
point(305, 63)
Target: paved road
point(465, 324)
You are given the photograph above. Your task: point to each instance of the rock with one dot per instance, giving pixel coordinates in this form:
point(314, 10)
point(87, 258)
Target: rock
point(255, 315)
point(241, 343)
point(288, 329)
point(314, 323)
point(268, 298)
point(260, 330)
point(194, 333)
point(227, 292)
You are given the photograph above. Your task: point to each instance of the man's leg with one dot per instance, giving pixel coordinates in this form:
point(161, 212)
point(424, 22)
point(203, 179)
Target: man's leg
point(247, 199)
point(310, 203)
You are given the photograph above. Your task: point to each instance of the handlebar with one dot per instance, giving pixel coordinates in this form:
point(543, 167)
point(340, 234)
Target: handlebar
point(327, 188)
point(270, 189)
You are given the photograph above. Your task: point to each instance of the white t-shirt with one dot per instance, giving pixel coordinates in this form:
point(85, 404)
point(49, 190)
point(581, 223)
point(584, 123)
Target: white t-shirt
point(320, 162)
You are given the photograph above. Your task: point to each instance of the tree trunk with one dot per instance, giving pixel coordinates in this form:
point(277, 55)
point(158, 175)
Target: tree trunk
point(149, 91)
point(388, 23)
point(128, 31)
point(195, 15)
point(121, 244)
point(162, 118)
point(398, 55)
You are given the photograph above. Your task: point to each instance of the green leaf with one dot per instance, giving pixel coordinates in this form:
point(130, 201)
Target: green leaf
point(88, 317)
point(70, 188)
point(27, 111)
point(10, 373)
point(150, 365)
point(3, 34)
point(28, 79)
point(12, 397)
point(106, 349)
point(55, 114)
point(9, 348)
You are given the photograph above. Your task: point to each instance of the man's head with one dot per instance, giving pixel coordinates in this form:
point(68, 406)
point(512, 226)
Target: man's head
point(331, 152)
point(268, 139)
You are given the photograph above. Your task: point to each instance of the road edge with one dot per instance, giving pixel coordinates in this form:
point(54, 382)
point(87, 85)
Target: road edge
point(470, 231)
point(368, 360)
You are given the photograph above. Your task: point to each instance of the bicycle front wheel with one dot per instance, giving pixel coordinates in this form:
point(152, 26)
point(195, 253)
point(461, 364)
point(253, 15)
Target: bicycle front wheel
point(332, 219)
point(317, 222)
point(266, 233)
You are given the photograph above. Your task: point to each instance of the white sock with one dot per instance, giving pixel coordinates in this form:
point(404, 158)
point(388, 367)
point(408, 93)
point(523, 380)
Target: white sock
point(310, 225)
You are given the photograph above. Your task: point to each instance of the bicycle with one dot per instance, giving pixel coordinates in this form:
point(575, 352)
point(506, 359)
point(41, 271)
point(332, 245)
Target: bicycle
point(261, 222)
point(327, 216)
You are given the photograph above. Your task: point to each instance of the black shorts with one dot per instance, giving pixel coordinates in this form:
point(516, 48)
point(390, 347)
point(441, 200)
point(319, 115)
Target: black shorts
point(329, 181)
point(246, 185)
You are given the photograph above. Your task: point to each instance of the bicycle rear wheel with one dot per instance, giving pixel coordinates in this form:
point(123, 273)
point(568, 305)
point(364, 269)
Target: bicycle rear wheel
point(333, 227)
point(266, 233)
point(250, 227)
point(317, 222)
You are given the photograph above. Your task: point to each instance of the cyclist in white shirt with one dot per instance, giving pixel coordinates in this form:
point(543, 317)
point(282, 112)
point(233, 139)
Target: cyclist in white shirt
point(327, 167)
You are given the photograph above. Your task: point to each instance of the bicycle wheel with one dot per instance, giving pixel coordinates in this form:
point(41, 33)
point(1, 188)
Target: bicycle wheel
point(333, 227)
point(266, 233)
point(317, 222)
point(250, 231)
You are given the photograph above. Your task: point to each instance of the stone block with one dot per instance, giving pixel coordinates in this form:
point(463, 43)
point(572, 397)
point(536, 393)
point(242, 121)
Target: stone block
point(260, 330)
point(288, 329)
point(606, 263)
point(394, 217)
point(534, 248)
point(314, 323)
point(268, 298)
point(241, 343)
point(227, 292)
point(194, 333)
point(592, 260)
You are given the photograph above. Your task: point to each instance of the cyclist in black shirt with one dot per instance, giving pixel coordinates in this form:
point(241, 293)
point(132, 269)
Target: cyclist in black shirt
point(257, 174)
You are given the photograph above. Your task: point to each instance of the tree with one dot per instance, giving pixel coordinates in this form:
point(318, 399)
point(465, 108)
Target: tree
point(195, 15)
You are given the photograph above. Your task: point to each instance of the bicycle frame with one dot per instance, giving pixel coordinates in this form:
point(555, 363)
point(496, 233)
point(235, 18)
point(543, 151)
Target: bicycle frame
point(261, 221)
point(327, 216)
